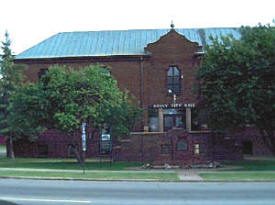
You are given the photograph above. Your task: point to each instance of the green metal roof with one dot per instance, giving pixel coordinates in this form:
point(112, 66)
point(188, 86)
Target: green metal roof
point(111, 43)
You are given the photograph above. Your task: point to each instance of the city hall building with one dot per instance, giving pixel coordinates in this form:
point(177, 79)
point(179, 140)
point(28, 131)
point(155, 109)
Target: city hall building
point(158, 67)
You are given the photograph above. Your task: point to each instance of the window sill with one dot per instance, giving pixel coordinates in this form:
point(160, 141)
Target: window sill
point(199, 131)
point(165, 155)
point(146, 133)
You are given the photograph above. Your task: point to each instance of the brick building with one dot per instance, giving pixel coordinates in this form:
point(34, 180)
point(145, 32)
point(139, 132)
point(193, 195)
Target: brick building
point(158, 67)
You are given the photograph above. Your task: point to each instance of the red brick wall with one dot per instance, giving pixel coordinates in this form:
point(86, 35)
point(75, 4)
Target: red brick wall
point(171, 49)
point(253, 135)
point(2, 139)
point(57, 145)
point(125, 71)
point(142, 147)
point(146, 147)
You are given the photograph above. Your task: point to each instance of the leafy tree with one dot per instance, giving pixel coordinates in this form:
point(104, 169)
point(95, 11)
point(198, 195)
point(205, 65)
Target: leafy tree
point(64, 98)
point(10, 83)
point(123, 116)
point(237, 82)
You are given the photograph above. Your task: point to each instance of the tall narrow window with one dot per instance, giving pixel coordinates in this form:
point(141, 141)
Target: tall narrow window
point(43, 150)
point(173, 80)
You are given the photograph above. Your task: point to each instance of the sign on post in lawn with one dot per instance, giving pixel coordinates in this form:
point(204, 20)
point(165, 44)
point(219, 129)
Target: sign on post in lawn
point(83, 137)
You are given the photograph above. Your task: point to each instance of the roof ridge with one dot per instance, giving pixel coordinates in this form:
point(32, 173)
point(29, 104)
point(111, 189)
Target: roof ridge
point(147, 29)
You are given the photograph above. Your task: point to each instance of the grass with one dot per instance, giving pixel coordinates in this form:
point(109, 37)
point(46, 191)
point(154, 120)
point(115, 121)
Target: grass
point(2, 148)
point(259, 169)
point(40, 163)
point(2, 151)
point(71, 164)
point(250, 169)
point(251, 165)
point(239, 176)
point(100, 175)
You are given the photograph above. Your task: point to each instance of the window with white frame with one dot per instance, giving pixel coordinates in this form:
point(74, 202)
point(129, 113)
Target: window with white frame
point(173, 80)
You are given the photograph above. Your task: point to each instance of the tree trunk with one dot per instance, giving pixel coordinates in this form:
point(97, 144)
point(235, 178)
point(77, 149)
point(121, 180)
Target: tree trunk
point(77, 154)
point(75, 149)
point(11, 151)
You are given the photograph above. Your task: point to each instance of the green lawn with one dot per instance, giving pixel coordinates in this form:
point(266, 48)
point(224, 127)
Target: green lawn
point(239, 176)
point(42, 163)
point(100, 175)
point(2, 148)
point(71, 164)
point(250, 169)
point(2, 151)
point(252, 165)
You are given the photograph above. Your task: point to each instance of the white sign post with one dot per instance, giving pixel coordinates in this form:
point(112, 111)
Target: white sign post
point(83, 137)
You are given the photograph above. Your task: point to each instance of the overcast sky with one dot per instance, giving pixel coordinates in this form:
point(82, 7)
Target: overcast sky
point(31, 21)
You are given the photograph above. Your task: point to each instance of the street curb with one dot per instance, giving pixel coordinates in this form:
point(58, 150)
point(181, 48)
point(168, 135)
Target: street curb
point(87, 179)
point(87, 171)
point(137, 180)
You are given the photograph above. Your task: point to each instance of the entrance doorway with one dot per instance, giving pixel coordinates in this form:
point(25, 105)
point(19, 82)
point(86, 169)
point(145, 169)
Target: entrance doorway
point(170, 117)
point(247, 147)
point(171, 121)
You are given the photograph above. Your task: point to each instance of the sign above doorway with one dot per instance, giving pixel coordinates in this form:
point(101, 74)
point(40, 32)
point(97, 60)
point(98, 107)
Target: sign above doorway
point(176, 105)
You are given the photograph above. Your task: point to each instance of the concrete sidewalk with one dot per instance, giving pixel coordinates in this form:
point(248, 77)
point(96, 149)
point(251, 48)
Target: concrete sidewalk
point(189, 175)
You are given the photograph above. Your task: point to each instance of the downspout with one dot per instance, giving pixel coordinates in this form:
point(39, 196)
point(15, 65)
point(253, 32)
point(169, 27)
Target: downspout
point(142, 86)
point(142, 102)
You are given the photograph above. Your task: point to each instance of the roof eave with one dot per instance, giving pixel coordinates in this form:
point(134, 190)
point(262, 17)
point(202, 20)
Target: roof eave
point(80, 58)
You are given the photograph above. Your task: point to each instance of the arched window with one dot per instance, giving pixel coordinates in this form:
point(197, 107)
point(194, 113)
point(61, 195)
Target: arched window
point(173, 80)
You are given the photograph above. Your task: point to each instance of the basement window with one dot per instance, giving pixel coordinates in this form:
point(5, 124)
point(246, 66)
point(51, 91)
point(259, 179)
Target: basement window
point(182, 146)
point(164, 149)
point(43, 150)
point(247, 147)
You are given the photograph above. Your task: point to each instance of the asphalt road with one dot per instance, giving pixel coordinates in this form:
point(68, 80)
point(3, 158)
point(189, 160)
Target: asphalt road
point(43, 192)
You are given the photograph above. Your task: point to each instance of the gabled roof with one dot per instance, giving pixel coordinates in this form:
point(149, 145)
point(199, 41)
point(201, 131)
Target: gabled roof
point(113, 43)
